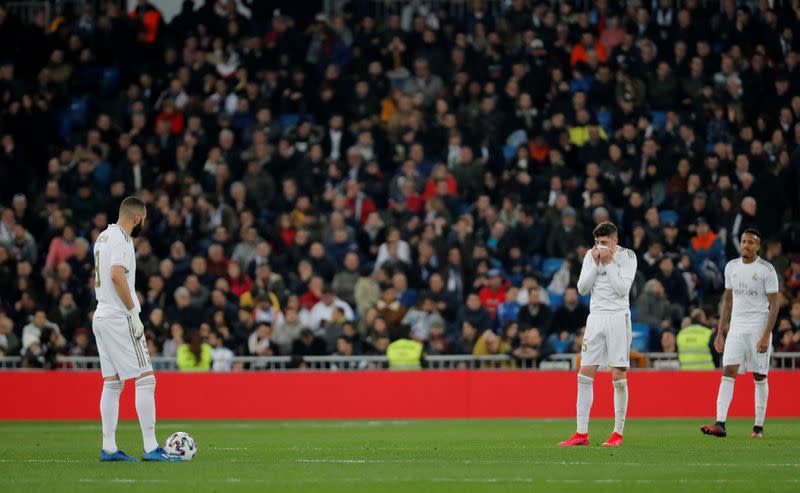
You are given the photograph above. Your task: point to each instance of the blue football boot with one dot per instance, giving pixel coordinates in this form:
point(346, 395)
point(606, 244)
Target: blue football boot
point(159, 455)
point(118, 456)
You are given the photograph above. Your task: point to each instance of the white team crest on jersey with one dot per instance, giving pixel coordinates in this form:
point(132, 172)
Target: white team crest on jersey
point(755, 276)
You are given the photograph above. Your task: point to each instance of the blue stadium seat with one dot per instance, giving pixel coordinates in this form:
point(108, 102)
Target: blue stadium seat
point(536, 262)
point(604, 119)
point(508, 152)
point(667, 216)
point(585, 299)
point(109, 80)
point(641, 338)
point(289, 119)
point(78, 110)
point(515, 279)
point(551, 265)
point(556, 301)
point(659, 118)
point(72, 116)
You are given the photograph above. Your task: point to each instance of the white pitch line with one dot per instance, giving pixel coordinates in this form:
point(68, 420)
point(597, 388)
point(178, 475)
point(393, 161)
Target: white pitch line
point(340, 461)
point(160, 481)
point(42, 461)
point(444, 461)
point(516, 461)
point(122, 480)
point(395, 480)
point(265, 425)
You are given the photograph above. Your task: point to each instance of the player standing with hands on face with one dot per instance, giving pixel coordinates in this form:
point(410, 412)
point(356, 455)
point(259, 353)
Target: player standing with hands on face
point(607, 273)
point(120, 334)
point(749, 310)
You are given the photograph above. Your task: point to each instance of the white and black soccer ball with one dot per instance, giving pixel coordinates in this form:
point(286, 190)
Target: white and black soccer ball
point(181, 444)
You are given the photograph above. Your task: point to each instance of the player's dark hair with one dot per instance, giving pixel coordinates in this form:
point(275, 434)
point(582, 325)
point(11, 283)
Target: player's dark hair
point(131, 205)
point(754, 232)
point(605, 228)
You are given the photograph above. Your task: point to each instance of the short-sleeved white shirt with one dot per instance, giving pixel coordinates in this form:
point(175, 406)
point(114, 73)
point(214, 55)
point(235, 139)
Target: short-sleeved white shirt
point(750, 283)
point(113, 247)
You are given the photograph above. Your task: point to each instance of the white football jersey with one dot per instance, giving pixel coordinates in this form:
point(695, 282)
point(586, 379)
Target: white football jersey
point(113, 247)
point(609, 285)
point(750, 283)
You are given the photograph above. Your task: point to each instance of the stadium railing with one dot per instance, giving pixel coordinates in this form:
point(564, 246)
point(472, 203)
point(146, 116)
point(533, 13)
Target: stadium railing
point(654, 361)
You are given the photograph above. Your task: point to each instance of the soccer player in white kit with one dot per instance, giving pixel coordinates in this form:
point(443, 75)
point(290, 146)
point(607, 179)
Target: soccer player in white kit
point(119, 333)
point(607, 273)
point(749, 310)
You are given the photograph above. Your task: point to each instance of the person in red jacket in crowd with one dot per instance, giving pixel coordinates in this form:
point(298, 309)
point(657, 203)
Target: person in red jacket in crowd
point(494, 294)
point(217, 263)
point(588, 43)
point(358, 202)
point(314, 293)
point(239, 281)
point(171, 115)
point(149, 21)
point(439, 173)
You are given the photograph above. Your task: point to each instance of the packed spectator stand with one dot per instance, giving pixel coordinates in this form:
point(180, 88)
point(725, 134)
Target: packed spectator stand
point(324, 181)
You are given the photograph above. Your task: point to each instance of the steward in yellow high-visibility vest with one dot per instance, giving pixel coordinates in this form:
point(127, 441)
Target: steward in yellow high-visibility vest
point(405, 353)
point(694, 352)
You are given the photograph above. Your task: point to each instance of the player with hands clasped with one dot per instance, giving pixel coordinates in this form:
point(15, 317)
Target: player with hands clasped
point(607, 273)
point(749, 310)
point(120, 334)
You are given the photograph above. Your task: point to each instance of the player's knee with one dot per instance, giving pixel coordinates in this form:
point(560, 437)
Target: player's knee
point(114, 385)
point(618, 371)
point(730, 371)
point(146, 374)
point(758, 377)
point(588, 371)
point(146, 380)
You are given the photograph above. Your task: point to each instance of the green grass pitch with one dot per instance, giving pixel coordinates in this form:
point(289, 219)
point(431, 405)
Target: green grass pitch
point(415, 456)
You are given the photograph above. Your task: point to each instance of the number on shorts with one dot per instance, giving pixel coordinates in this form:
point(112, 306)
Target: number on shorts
point(96, 269)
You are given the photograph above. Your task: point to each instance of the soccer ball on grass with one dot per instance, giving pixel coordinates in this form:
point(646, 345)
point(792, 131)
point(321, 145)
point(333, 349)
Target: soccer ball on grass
point(181, 444)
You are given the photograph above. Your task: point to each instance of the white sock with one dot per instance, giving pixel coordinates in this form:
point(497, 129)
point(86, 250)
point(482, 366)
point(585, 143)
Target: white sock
point(762, 393)
point(724, 398)
point(146, 410)
point(620, 404)
point(109, 413)
point(584, 404)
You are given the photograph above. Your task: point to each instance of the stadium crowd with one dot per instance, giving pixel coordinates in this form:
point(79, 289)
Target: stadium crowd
point(324, 183)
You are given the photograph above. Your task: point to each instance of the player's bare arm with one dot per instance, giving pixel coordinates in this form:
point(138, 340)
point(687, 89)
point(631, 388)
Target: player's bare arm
point(724, 320)
point(763, 343)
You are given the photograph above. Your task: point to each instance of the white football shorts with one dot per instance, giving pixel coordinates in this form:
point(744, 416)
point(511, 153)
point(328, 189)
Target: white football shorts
point(607, 340)
point(120, 353)
point(741, 348)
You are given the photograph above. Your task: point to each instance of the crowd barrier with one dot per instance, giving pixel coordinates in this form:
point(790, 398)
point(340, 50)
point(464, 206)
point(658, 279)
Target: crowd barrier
point(43, 395)
point(566, 361)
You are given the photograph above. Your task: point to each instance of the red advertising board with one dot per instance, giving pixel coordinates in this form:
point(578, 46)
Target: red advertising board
point(53, 395)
